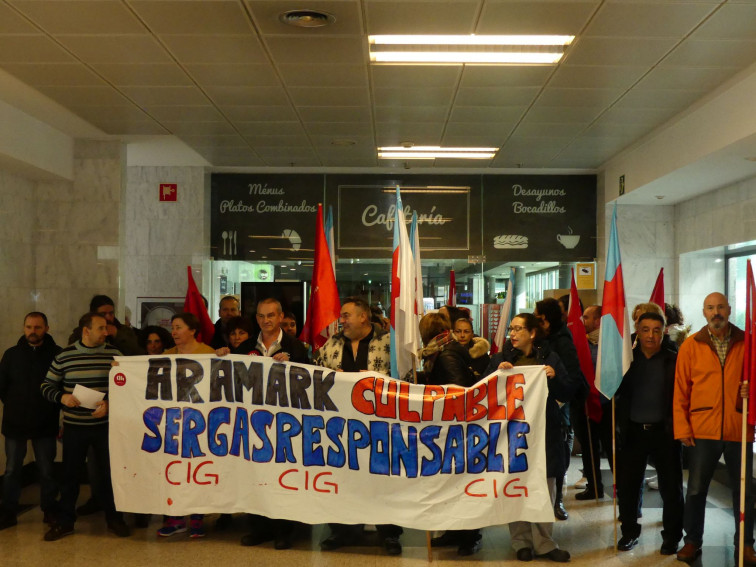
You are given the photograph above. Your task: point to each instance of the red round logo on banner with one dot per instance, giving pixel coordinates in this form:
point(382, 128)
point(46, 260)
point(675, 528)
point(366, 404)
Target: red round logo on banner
point(120, 379)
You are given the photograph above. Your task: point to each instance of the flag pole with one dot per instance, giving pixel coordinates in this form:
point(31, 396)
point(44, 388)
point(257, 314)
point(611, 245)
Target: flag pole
point(743, 445)
point(614, 474)
point(593, 460)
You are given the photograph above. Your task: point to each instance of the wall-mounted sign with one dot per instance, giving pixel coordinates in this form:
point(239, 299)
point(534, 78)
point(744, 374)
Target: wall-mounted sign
point(585, 275)
point(447, 208)
point(168, 192)
point(544, 217)
point(259, 217)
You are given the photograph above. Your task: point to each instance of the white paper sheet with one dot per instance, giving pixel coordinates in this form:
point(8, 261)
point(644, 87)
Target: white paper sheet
point(87, 397)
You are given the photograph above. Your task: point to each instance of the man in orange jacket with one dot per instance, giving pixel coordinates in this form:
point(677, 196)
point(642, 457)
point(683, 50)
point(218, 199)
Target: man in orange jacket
point(708, 420)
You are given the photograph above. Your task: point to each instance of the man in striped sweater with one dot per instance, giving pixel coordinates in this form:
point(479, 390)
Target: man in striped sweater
point(87, 363)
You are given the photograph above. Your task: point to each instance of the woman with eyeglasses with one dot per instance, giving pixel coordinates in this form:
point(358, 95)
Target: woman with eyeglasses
point(446, 361)
point(526, 347)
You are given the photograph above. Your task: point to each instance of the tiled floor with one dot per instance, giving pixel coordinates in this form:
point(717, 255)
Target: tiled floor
point(588, 535)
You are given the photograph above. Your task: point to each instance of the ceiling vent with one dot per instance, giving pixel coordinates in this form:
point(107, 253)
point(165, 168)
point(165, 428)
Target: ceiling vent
point(307, 18)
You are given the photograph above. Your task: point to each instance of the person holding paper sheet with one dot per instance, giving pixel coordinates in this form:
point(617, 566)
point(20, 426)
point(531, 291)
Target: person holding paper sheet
point(86, 363)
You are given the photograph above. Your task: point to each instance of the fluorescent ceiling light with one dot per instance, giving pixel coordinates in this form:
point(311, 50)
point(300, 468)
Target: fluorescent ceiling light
point(471, 39)
point(433, 152)
point(472, 49)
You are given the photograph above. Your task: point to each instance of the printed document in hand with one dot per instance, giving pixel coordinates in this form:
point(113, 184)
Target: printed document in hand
point(87, 397)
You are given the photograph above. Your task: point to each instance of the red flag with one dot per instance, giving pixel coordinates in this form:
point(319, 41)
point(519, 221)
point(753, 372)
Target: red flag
point(580, 339)
point(194, 304)
point(324, 306)
point(749, 356)
point(657, 296)
point(452, 289)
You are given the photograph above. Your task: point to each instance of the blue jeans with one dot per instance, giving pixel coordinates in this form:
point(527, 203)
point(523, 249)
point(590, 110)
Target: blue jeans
point(44, 455)
point(703, 459)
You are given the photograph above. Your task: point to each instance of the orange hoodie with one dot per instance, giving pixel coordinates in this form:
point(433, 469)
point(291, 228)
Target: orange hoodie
point(706, 402)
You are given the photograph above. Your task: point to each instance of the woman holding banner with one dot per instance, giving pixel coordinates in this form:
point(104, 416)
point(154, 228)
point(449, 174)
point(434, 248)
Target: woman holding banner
point(184, 328)
point(446, 361)
point(526, 347)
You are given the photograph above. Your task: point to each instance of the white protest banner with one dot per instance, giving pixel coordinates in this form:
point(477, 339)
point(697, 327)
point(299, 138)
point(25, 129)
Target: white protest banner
point(205, 434)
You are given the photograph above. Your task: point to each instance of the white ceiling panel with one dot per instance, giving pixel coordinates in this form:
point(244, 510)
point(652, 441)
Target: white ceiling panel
point(144, 74)
point(545, 129)
point(180, 96)
point(82, 96)
point(334, 113)
point(596, 76)
point(256, 96)
point(115, 49)
point(340, 129)
point(496, 96)
point(411, 114)
point(730, 21)
point(414, 76)
point(347, 13)
point(313, 96)
point(62, 74)
point(363, 145)
point(196, 113)
point(220, 49)
point(81, 16)
point(12, 22)
point(336, 50)
point(278, 141)
point(479, 139)
point(486, 113)
point(131, 128)
point(246, 113)
point(713, 53)
point(321, 75)
point(690, 78)
point(420, 133)
point(400, 96)
point(476, 76)
point(31, 49)
point(193, 17)
point(220, 141)
point(488, 129)
point(243, 74)
point(262, 128)
point(542, 113)
point(122, 113)
point(528, 17)
point(579, 97)
point(659, 98)
point(647, 19)
point(406, 16)
point(200, 128)
point(618, 51)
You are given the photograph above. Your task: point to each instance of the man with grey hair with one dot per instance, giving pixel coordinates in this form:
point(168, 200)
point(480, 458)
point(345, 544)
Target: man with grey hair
point(708, 420)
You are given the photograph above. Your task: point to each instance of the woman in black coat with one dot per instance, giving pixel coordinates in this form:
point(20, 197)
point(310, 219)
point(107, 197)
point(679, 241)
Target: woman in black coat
point(526, 347)
point(445, 361)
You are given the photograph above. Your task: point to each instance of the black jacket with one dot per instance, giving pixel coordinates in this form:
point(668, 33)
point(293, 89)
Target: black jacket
point(293, 347)
point(452, 365)
point(624, 395)
point(22, 369)
point(561, 387)
point(560, 341)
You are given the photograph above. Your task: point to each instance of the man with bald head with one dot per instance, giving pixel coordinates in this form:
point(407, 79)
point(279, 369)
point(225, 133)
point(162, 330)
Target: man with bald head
point(707, 412)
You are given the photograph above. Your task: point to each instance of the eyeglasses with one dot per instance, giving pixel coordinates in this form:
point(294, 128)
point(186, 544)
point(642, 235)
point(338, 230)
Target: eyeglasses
point(516, 329)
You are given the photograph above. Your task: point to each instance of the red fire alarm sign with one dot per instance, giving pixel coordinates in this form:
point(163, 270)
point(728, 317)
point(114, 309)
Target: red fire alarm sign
point(168, 191)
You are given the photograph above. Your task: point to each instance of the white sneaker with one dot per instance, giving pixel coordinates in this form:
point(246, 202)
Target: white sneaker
point(653, 482)
point(582, 483)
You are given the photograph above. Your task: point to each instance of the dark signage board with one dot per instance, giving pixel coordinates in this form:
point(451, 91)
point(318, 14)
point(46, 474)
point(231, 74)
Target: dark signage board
point(539, 217)
point(448, 209)
point(264, 217)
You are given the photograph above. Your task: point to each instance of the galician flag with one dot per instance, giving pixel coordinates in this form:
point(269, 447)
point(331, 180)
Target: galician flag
point(615, 353)
point(405, 334)
point(505, 316)
point(324, 307)
point(414, 237)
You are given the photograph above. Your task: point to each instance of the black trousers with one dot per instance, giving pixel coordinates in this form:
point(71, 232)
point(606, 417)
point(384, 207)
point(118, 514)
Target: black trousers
point(77, 440)
point(600, 439)
point(350, 530)
point(639, 444)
